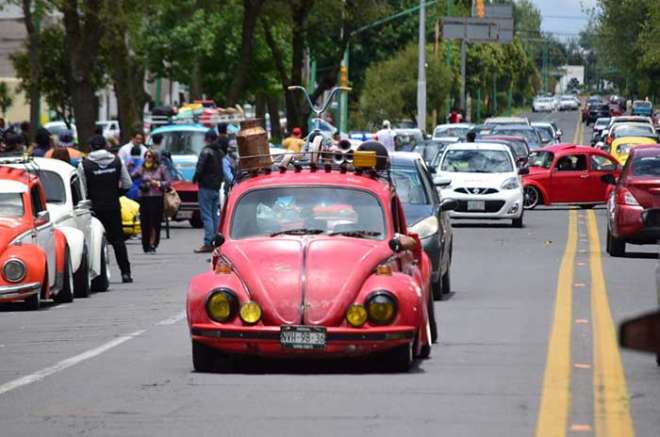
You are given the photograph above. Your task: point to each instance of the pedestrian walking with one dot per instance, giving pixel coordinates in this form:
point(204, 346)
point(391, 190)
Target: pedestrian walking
point(154, 183)
point(385, 136)
point(126, 151)
point(106, 179)
point(209, 176)
point(294, 142)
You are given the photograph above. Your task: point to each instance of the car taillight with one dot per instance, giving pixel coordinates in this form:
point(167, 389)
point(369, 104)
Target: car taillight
point(625, 197)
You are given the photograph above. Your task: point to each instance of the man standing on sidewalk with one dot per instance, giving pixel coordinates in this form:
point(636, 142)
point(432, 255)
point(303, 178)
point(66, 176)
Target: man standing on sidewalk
point(105, 177)
point(209, 176)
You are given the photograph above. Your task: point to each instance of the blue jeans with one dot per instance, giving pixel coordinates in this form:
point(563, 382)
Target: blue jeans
point(208, 207)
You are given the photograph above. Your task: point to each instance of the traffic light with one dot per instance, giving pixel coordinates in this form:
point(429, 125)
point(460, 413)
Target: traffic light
point(480, 8)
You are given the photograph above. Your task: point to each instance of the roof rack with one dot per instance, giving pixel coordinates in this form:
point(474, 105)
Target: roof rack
point(322, 161)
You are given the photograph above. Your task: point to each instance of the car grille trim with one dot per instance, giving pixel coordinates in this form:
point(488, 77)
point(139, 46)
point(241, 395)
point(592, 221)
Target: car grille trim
point(476, 190)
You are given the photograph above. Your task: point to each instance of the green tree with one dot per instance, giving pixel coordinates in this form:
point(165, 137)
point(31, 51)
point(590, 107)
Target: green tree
point(5, 98)
point(390, 90)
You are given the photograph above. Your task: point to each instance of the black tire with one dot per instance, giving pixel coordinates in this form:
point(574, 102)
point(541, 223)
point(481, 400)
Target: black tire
point(33, 303)
point(81, 278)
point(519, 222)
point(432, 322)
point(400, 358)
point(196, 222)
point(657, 359)
point(203, 357)
point(65, 295)
point(102, 282)
point(446, 283)
point(436, 289)
point(531, 197)
point(616, 246)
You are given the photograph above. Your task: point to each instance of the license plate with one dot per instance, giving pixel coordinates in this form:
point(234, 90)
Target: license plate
point(302, 337)
point(184, 214)
point(476, 205)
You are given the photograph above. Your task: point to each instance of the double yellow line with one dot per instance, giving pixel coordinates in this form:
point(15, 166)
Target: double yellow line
point(611, 402)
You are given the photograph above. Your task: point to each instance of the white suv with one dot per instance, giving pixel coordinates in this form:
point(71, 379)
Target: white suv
point(485, 181)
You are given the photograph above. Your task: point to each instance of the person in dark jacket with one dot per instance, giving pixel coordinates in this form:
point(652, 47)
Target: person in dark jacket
point(42, 141)
point(209, 177)
point(106, 179)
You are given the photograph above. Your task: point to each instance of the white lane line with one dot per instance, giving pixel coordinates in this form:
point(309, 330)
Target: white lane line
point(65, 364)
point(172, 320)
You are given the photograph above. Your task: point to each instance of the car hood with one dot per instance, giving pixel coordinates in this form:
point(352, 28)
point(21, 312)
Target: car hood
point(321, 274)
point(10, 228)
point(481, 180)
point(416, 213)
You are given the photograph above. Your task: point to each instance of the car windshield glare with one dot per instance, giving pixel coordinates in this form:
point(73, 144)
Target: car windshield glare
point(183, 142)
point(409, 186)
point(308, 211)
point(11, 205)
point(476, 161)
point(648, 166)
point(541, 159)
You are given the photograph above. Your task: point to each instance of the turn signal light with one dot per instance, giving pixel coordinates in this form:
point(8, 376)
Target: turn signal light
point(356, 315)
point(250, 312)
point(384, 269)
point(222, 267)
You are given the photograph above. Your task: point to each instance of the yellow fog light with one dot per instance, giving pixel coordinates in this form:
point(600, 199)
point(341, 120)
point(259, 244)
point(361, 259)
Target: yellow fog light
point(381, 308)
point(356, 315)
point(250, 312)
point(222, 305)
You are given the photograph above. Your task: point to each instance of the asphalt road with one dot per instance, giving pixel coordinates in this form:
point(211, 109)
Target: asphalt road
point(525, 347)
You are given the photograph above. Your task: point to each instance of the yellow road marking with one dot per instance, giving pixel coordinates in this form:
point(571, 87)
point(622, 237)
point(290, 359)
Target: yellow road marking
point(611, 401)
point(556, 396)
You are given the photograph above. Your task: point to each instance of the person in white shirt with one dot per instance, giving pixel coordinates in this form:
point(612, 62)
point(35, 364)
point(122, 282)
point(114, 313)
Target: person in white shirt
point(385, 136)
point(125, 151)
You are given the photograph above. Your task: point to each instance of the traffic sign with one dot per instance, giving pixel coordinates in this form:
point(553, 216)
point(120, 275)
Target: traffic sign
point(498, 11)
point(470, 29)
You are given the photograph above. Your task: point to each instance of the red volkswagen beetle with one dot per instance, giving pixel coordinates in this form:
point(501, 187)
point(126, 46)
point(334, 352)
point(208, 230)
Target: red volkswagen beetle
point(568, 174)
point(34, 258)
point(313, 262)
point(636, 192)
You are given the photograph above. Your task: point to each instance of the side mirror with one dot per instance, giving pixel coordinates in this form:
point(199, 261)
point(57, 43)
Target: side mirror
point(523, 171)
point(43, 217)
point(441, 182)
point(448, 205)
point(608, 179)
point(395, 245)
point(84, 204)
point(641, 333)
point(218, 240)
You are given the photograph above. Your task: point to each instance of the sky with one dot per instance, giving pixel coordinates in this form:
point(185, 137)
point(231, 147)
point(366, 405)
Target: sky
point(564, 17)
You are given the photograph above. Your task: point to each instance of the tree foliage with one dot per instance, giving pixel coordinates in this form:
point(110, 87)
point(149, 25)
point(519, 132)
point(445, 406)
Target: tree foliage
point(6, 100)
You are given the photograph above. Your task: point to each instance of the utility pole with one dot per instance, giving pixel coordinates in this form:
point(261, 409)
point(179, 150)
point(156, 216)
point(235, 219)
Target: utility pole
point(449, 47)
point(421, 70)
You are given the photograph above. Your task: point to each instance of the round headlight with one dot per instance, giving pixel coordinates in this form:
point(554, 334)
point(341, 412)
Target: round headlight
point(222, 305)
point(250, 312)
point(381, 308)
point(356, 315)
point(14, 270)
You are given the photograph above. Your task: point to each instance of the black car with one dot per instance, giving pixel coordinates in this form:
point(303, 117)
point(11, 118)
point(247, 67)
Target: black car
point(426, 215)
point(597, 111)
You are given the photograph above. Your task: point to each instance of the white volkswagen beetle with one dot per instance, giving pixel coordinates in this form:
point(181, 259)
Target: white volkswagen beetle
point(70, 211)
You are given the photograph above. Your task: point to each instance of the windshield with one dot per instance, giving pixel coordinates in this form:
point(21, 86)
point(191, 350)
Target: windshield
point(11, 205)
point(530, 135)
point(429, 150)
point(409, 186)
point(308, 210)
point(183, 142)
point(477, 161)
point(646, 166)
point(541, 159)
point(450, 131)
point(53, 185)
point(637, 131)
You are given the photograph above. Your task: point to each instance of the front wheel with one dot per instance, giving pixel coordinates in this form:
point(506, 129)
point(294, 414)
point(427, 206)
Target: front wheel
point(400, 358)
point(432, 323)
point(531, 197)
point(81, 278)
point(65, 295)
point(102, 281)
point(616, 246)
point(203, 357)
point(518, 222)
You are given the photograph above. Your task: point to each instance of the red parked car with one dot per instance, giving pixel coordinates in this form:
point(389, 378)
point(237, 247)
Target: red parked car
point(636, 192)
point(313, 263)
point(35, 261)
point(568, 174)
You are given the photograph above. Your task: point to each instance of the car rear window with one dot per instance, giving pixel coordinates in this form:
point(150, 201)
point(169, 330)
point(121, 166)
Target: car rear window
point(646, 166)
point(263, 212)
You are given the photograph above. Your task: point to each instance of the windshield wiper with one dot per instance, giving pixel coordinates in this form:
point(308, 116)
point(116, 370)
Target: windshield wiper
point(356, 234)
point(298, 231)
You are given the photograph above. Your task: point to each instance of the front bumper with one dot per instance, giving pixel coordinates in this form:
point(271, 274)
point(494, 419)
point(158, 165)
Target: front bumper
point(265, 340)
point(9, 293)
point(505, 204)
